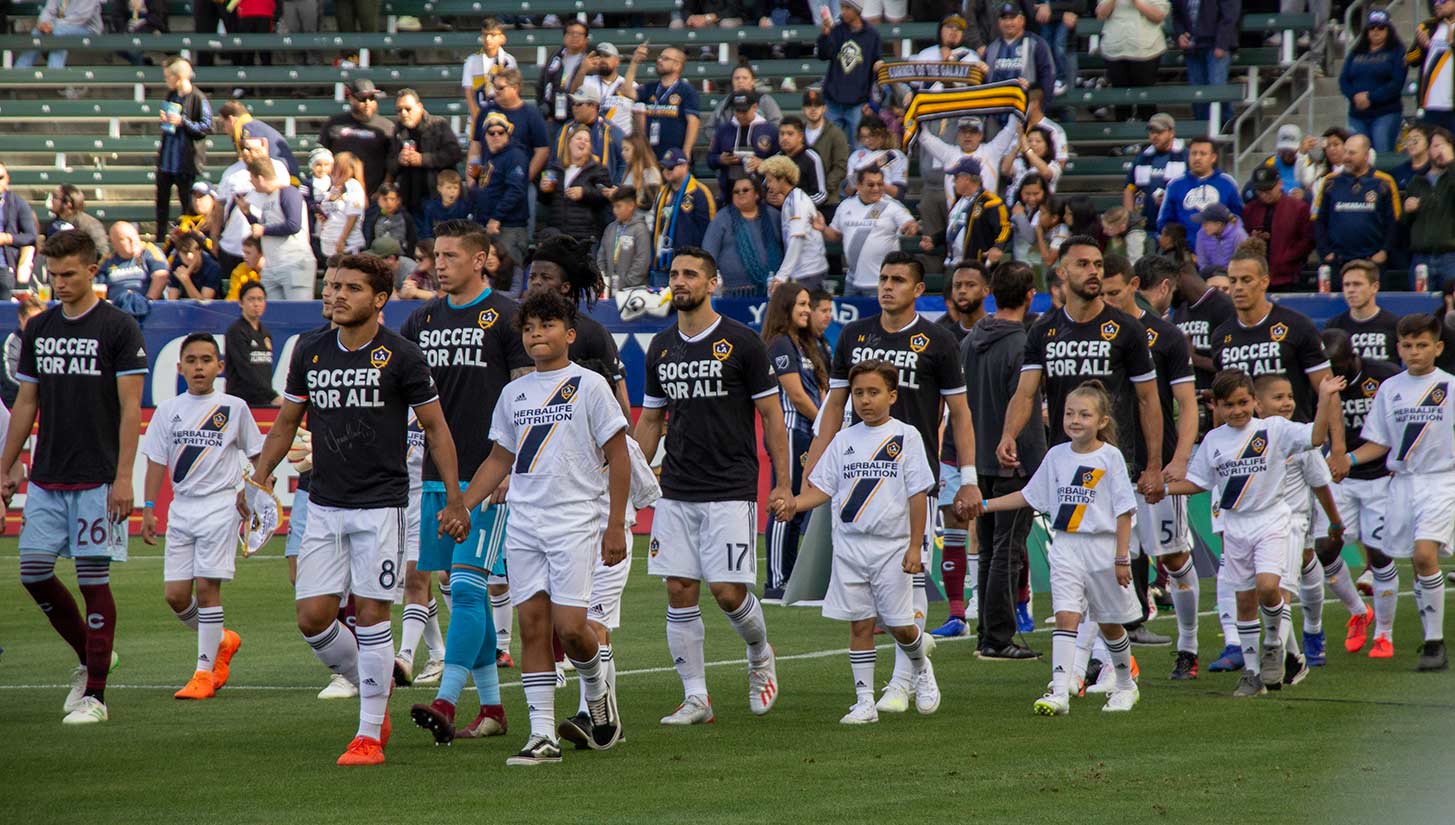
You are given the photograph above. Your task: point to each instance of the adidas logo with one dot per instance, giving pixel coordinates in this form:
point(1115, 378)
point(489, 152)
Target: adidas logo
point(530, 708)
point(849, 451)
point(679, 661)
point(176, 419)
point(859, 684)
point(520, 398)
point(203, 658)
point(142, 353)
point(1058, 669)
point(370, 683)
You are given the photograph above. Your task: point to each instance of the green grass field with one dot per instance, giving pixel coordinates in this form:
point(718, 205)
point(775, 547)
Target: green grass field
point(1360, 741)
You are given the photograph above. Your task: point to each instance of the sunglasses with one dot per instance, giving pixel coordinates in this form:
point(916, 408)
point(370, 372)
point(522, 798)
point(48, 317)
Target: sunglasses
point(495, 132)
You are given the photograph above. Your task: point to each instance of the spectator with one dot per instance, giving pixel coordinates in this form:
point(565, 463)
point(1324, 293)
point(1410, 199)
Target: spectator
point(134, 265)
point(666, 110)
point(1163, 159)
point(600, 74)
point(501, 267)
point(1032, 199)
point(424, 282)
point(248, 368)
point(1207, 32)
point(194, 273)
point(557, 76)
point(1434, 39)
point(63, 18)
point(1058, 29)
point(204, 199)
point(1081, 216)
point(1416, 148)
point(208, 17)
point(743, 82)
point(423, 145)
point(303, 17)
point(832, 145)
point(386, 216)
point(741, 143)
point(482, 66)
point(1218, 236)
point(572, 198)
point(186, 119)
point(877, 152)
point(1372, 329)
point(643, 173)
point(527, 127)
point(249, 269)
point(27, 306)
point(851, 47)
point(360, 131)
point(625, 252)
point(341, 213)
point(448, 205)
point(702, 14)
point(984, 21)
point(804, 259)
point(969, 143)
point(390, 252)
point(234, 120)
point(136, 17)
point(68, 205)
point(1133, 44)
point(1319, 157)
point(950, 44)
point(1285, 160)
point(1035, 155)
point(1121, 237)
point(356, 16)
point(275, 212)
point(255, 17)
point(870, 225)
point(505, 188)
point(746, 240)
point(1173, 245)
point(979, 224)
point(1373, 80)
point(810, 166)
point(1201, 186)
point(680, 217)
point(229, 224)
point(1357, 212)
point(1429, 211)
point(605, 138)
point(1020, 55)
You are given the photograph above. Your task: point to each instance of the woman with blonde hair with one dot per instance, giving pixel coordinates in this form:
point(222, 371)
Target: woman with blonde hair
point(642, 170)
point(341, 212)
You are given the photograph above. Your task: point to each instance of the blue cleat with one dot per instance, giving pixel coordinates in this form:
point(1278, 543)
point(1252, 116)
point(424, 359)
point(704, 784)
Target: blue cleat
point(1023, 621)
point(953, 628)
point(1313, 649)
point(1230, 660)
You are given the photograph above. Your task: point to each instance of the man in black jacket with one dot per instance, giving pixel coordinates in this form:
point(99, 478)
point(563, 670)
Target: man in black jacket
point(1207, 40)
point(422, 147)
point(555, 80)
point(362, 132)
point(248, 368)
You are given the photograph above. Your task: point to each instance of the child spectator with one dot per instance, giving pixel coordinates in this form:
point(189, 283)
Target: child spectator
point(251, 268)
point(625, 253)
point(423, 283)
point(446, 206)
point(387, 217)
point(1121, 238)
point(1219, 235)
point(342, 208)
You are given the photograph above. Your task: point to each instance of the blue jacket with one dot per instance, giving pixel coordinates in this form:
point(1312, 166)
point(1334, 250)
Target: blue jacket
point(505, 181)
point(1214, 27)
point(278, 147)
point(1187, 196)
point(1150, 174)
point(434, 210)
point(1356, 216)
point(851, 56)
point(1030, 58)
point(1381, 74)
point(762, 137)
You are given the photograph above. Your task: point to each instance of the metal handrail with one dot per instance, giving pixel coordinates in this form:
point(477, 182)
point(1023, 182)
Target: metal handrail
point(1241, 153)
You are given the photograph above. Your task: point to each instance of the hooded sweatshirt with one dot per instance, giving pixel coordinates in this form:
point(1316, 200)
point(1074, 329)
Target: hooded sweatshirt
point(625, 252)
point(992, 354)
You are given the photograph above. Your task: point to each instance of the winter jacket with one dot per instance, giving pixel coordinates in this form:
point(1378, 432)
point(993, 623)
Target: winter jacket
point(768, 109)
point(1218, 251)
point(1416, 57)
point(400, 225)
point(1432, 226)
point(1187, 195)
point(584, 219)
point(1356, 215)
point(1290, 236)
point(1381, 74)
point(851, 56)
point(183, 150)
point(984, 18)
point(992, 354)
point(625, 253)
point(1216, 25)
point(505, 181)
point(761, 138)
point(1028, 57)
point(434, 211)
point(438, 149)
point(833, 149)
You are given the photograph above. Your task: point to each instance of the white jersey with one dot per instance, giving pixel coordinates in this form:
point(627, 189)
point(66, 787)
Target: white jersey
point(891, 162)
point(236, 180)
point(202, 440)
point(479, 68)
point(1244, 468)
point(1437, 68)
point(414, 457)
point(1083, 493)
point(871, 231)
point(616, 108)
point(1305, 471)
point(1413, 416)
point(870, 472)
point(807, 258)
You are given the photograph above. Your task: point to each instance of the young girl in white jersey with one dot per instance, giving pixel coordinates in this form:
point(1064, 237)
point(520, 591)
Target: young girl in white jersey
point(1084, 487)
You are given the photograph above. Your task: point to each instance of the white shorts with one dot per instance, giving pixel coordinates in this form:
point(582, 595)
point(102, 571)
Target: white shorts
point(711, 541)
point(559, 562)
point(1161, 529)
point(1361, 503)
point(896, 10)
point(351, 551)
point(1420, 508)
point(1298, 539)
point(1249, 553)
point(411, 528)
point(949, 485)
point(1084, 579)
point(202, 538)
point(607, 585)
point(868, 581)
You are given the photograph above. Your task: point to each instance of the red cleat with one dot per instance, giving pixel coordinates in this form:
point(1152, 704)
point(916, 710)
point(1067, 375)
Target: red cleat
point(438, 717)
point(490, 722)
point(1383, 648)
point(503, 660)
point(362, 751)
point(1358, 631)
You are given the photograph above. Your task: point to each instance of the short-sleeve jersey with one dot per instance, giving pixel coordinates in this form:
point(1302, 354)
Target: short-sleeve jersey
point(1285, 342)
point(948, 455)
point(1356, 400)
point(928, 358)
point(709, 384)
point(788, 359)
point(870, 473)
point(1374, 338)
point(74, 363)
point(1082, 493)
point(1244, 468)
point(666, 109)
point(470, 350)
point(1172, 360)
point(415, 448)
point(1305, 471)
point(1110, 347)
point(1413, 416)
point(1197, 321)
point(594, 342)
point(358, 412)
point(202, 440)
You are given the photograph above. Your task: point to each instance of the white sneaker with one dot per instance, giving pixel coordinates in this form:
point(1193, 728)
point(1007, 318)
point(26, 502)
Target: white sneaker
point(763, 684)
point(339, 688)
point(1052, 705)
point(972, 607)
point(433, 669)
point(895, 698)
point(862, 713)
point(78, 690)
point(926, 691)
point(1105, 680)
point(403, 671)
point(694, 710)
point(1121, 701)
point(88, 712)
point(560, 678)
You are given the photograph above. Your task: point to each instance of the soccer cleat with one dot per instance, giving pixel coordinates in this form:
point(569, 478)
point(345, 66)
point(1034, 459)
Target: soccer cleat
point(1186, 667)
point(926, 691)
point(1144, 637)
point(403, 672)
point(1295, 668)
point(862, 713)
point(438, 717)
point(339, 687)
point(538, 750)
point(77, 692)
point(694, 710)
point(1250, 684)
point(763, 684)
point(386, 729)
point(1358, 630)
point(490, 722)
point(1313, 649)
point(576, 730)
point(226, 649)
point(503, 660)
point(1009, 653)
point(1270, 665)
point(1136, 669)
point(1052, 705)
point(1432, 656)
point(1023, 620)
point(89, 711)
point(1105, 681)
point(1121, 701)
point(895, 698)
point(362, 751)
point(560, 677)
point(200, 686)
point(953, 628)
point(433, 669)
point(1383, 648)
point(1229, 660)
point(605, 721)
point(1365, 583)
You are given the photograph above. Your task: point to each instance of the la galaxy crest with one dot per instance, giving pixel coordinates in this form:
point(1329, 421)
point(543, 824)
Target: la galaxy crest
point(487, 318)
point(1278, 331)
point(1109, 330)
point(1151, 337)
point(1369, 387)
point(919, 341)
point(1259, 445)
point(379, 357)
point(721, 349)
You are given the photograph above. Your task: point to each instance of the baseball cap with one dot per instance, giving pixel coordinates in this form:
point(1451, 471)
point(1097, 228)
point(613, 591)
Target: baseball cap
point(1289, 137)
point(363, 87)
point(965, 166)
point(674, 157)
point(202, 187)
point(974, 124)
point(743, 101)
point(1161, 122)
point(1009, 10)
point(384, 246)
point(813, 97)
point(1265, 178)
point(1213, 212)
point(587, 94)
point(1377, 17)
point(498, 119)
point(606, 49)
point(954, 20)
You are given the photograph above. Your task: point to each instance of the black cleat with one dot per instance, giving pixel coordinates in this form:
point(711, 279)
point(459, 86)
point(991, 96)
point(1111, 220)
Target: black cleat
point(1093, 671)
point(1295, 668)
point(1009, 653)
point(605, 722)
point(1186, 667)
point(576, 730)
point(1432, 656)
point(438, 718)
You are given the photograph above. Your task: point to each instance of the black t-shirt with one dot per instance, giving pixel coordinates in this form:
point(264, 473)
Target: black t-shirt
point(947, 438)
point(1111, 347)
point(470, 351)
point(928, 357)
point(709, 385)
point(1285, 342)
point(1374, 339)
point(305, 478)
point(593, 342)
point(1172, 360)
point(248, 366)
point(368, 141)
point(1356, 399)
point(358, 412)
point(74, 363)
point(1198, 320)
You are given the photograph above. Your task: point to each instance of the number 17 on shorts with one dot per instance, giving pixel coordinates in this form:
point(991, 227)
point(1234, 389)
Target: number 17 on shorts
point(712, 541)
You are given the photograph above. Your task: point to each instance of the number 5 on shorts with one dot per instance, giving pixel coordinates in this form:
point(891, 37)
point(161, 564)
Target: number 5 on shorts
point(737, 553)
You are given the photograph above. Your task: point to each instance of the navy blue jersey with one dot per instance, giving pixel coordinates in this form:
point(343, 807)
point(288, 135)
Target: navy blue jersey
point(787, 359)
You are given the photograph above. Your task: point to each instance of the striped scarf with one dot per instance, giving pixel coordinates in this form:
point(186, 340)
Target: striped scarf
point(989, 99)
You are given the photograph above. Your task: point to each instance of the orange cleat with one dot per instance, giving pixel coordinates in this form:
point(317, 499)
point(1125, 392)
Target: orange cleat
point(362, 751)
point(1383, 648)
point(385, 730)
point(1136, 671)
point(199, 687)
point(226, 649)
point(1358, 631)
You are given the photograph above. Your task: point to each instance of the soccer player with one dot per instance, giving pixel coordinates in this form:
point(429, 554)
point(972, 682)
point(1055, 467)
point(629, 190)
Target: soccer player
point(707, 376)
point(202, 437)
point(876, 473)
point(1161, 529)
point(358, 384)
point(473, 353)
point(421, 612)
point(1412, 427)
point(1371, 327)
point(1243, 462)
point(931, 380)
point(82, 365)
point(551, 430)
point(1201, 308)
point(1084, 486)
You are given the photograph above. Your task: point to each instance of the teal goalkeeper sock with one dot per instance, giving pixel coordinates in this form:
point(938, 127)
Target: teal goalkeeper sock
point(487, 675)
point(452, 682)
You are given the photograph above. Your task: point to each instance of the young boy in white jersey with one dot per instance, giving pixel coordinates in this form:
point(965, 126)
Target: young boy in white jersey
point(1243, 463)
point(1084, 486)
point(551, 429)
point(1410, 427)
point(421, 612)
point(199, 440)
point(876, 473)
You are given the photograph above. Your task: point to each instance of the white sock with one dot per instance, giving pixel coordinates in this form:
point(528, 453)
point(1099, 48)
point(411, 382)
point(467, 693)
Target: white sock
point(434, 640)
point(608, 674)
point(540, 700)
point(748, 621)
point(685, 637)
point(1248, 639)
point(445, 594)
point(501, 609)
point(1184, 604)
point(1337, 574)
point(1086, 634)
point(1285, 627)
point(411, 629)
point(1311, 596)
point(1386, 599)
point(1272, 619)
point(1121, 659)
point(589, 672)
point(1432, 605)
point(376, 671)
point(336, 648)
point(209, 636)
point(861, 664)
point(188, 616)
point(915, 652)
point(904, 670)
point(1099, 650)
point(1228, 613)
point(972, 573)
point(1063, 655)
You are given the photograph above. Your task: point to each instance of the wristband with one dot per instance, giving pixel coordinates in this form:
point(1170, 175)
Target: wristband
point(149, 505)
point(1353, 459)
point(984, 504)
point(1126, 562)
point(968, 477)
point(1336, 526)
